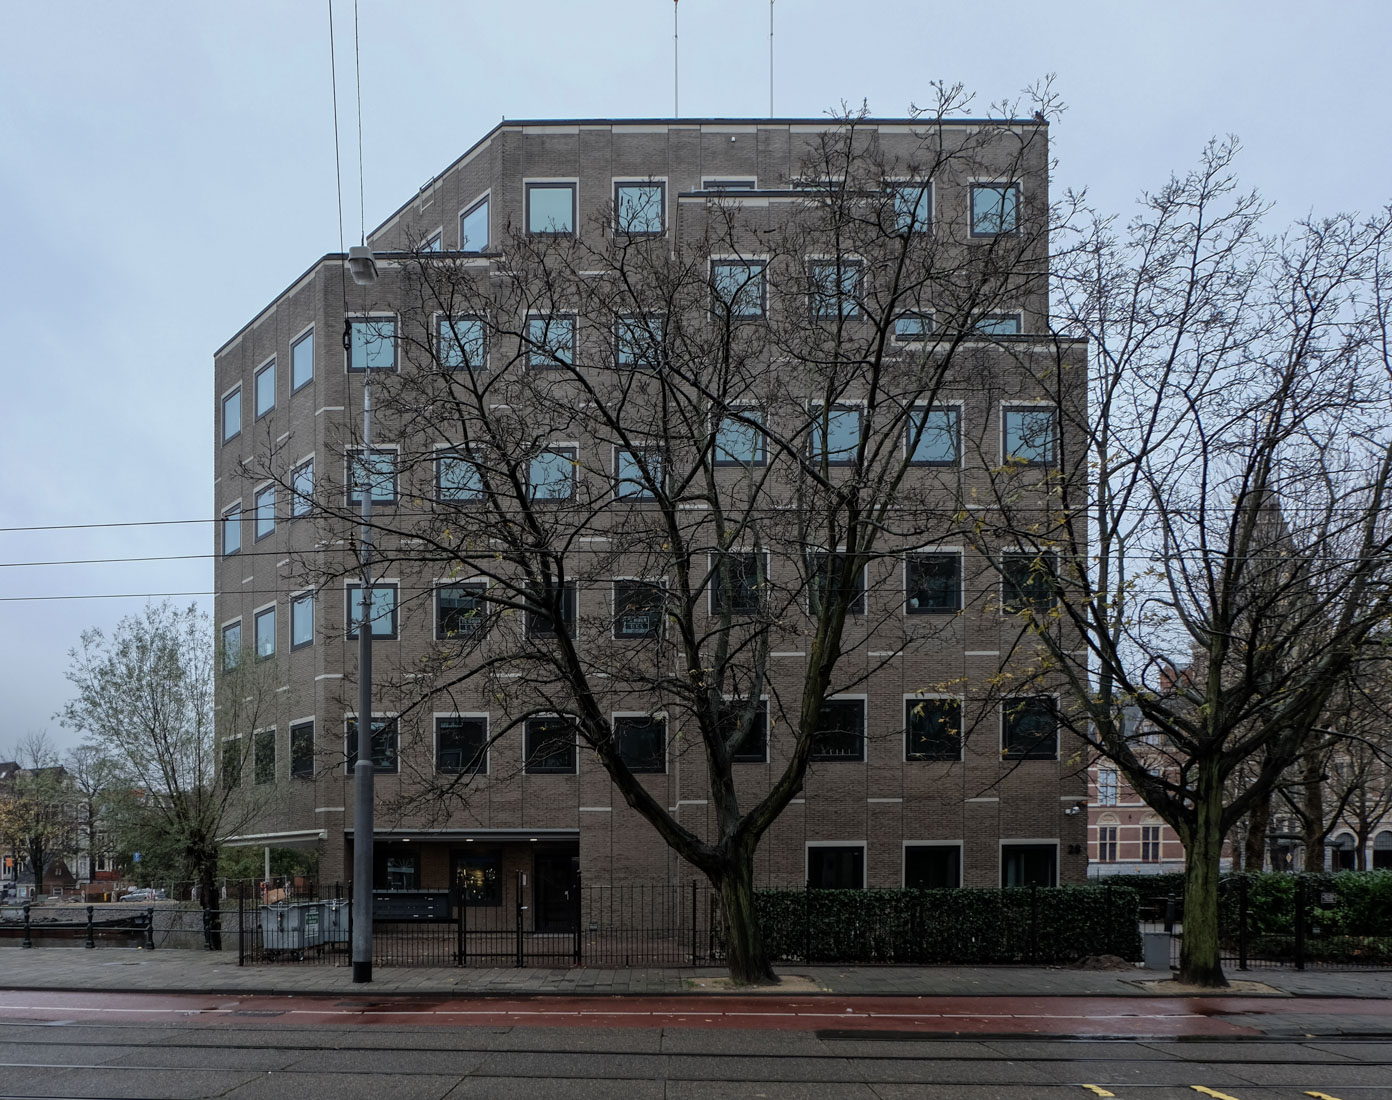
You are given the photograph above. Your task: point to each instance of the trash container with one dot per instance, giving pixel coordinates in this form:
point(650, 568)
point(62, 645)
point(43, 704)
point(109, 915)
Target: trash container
point(335, 920)
point(1155, 950)
point(292, 927)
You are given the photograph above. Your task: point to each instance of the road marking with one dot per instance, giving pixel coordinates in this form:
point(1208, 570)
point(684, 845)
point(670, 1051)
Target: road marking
point(1210, 1092)
point(1321, 1096)
point(1099, 1090)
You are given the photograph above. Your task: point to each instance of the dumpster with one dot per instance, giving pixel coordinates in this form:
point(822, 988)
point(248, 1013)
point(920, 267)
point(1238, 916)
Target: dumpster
point(335, 920)
point(292, 927)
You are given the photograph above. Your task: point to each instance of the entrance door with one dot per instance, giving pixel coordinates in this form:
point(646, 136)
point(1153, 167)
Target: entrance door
point(553, 898)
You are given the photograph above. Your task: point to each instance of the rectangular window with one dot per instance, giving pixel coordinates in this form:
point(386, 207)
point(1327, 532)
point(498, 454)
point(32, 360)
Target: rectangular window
point(302, 750)
point(1150, 843)
point(231, 763)
point(641, 743)
point(460, 610)
point(913, 328)
point(374, 470)
point(231, 644)
point(461, 745)
point(551, 341)
point(550, 746)
point(1107, 786)
point(265, 633)
point(834, 288)
point(913, 206)
point(1028, 581)
point(551, 474)
point(638, 341)
point(932, 866)
point(1029, 728)
point(738, 580)
point(739, 438)
point(639, 208)
point(231, 530)
point(264, 511)
point(637, 474)
point(1031, 435)
point(1106, 843)
point(551, 209)
point(457, 478)
point(384, 744)
point(637, 609)
point(729, 185)
point(265, 389)
point(840, 732)
point(473, 228)
point(382, 614)
point(932, 583)
point(997, 324)
point(836, 867)
point(835, 434)
point(232, 415)
point(372, 343)
point(478, 876)
point(552, 607)
point(461, 342)
point(994, 209)
point(434, 242)
point(935, 437)
point(264, 750)
point(752, 746)
point(302, 620)
point(302, 362)
point(1029, 865)
point(737, 287)
point(302, 489)
point(932, 729)
point(820, 569)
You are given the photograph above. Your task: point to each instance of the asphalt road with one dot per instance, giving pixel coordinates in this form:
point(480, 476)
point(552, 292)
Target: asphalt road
point(140, 1045)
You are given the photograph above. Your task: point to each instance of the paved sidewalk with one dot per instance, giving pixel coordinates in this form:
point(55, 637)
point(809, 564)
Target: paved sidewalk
point(191, 971)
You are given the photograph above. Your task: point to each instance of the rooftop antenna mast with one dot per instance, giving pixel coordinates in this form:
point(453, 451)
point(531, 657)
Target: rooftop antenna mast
point(676, 110)
point(770, 58)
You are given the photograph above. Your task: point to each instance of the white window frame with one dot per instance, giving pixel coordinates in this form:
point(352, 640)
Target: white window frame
point(454, 582)
point(864, 858)
point(847, 697)
point(435, 740)
point(924, 696)
point(904, 857)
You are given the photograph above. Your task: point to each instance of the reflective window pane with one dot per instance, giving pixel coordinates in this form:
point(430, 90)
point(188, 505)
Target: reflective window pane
point(550, 208)
point(456, 478)
point(638, 207)
point(473, 228)
point(461, 343)
point(302, 621)
point(302, 489)
point(913, 207)
point(739, 287)
point(266, 633)
point(636, 473)
point(265, 512)
point(265, 389)
point(1030, 436)
point(740, 442)
point(232, 531)
point(994, 209)
point(910, 328)
point(550, 341)
point(232, 414)
point(836, 434)
point(935, 437)
point(551, 475)
point(382, 613)
point(374, 470)
point(372, 344)
point(302, 361)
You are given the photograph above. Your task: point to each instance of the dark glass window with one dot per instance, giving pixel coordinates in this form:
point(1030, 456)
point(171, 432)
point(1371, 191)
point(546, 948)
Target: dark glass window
point(478, 876)
point(932, 867)
point(738, 287)
point(542, 618)
point(550, 746)
point(231, 644)
point(994, 209)
point(384, 744)
point(302, 750)
point(736, 586)
point(264, 747)
point(460, 610)
point(637, 609)
point(932, 583)
point(1029, 728)
point(932, 729)
point(231, 763)
point(820, 568)
point(753, 747)
point(639, 207)
point(1029, 865)
point(1027, 581)
point(839, 867)
point(461, 745)
point(396, 866)
point(840, 732)
point(642, 743)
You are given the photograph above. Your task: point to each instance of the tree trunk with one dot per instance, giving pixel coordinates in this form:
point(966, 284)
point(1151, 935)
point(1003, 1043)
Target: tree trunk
point(1254, 847)
point(36, 860)
point(212, 907)
point(1312, 819)
point(745, 955)
point(1199, 948)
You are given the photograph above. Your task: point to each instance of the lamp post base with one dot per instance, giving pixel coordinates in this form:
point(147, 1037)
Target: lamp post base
point(362, 972)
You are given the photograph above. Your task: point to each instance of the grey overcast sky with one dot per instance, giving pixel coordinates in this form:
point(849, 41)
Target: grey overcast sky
point(167, 168)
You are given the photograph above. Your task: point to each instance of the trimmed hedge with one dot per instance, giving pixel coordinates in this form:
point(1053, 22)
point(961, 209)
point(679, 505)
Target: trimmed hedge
point(1057, 924)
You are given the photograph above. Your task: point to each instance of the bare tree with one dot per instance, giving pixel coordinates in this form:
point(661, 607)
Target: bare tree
point(1237, 465)
point(751, 396)
point(146, 699)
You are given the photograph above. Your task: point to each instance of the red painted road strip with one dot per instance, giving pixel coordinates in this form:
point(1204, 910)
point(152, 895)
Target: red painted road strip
point(1139, 1017)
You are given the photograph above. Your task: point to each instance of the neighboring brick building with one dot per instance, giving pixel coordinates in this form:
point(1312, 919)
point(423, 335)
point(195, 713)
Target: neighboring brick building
point(875, 810)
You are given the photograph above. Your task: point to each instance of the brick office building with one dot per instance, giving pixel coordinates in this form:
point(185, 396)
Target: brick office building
point(884, 803)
